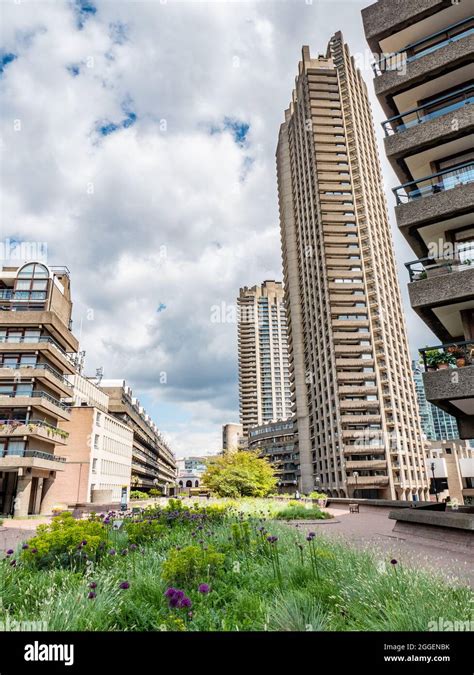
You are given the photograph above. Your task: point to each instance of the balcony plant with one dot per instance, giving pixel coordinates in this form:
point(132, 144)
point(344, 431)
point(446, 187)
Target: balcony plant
point(445, 360)
point(458, 354)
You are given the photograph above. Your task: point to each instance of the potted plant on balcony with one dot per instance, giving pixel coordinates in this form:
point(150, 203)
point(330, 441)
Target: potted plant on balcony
point(459, 356)
point(445, 359)
point(431, 359)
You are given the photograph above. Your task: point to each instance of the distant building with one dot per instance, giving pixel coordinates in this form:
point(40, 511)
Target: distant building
point(276, 442)
point(98, 454)
point(264, 379)
point(450, 467)
point(153, 462)
point(190, 470)
point(232, 436)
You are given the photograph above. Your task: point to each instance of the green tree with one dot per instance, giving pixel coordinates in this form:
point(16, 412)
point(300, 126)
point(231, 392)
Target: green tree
point(240, 474)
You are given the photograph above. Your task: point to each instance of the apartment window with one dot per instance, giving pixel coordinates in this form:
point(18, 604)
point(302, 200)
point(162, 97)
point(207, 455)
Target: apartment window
point(96, 441)
point(94, 465)
point(98, 419)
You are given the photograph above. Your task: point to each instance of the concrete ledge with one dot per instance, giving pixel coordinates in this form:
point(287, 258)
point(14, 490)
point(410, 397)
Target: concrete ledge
point(378, 502)
point(444, 520)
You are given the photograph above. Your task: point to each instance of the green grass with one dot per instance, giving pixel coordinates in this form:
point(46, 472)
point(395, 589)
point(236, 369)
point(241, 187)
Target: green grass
point(291, 584)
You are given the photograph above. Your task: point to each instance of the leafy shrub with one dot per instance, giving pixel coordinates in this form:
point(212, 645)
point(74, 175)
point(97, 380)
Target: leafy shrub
point(240, 474)
point(301, 513)
point(138, 494)
point(318, 495)
point(155, 493)
point(174, 505)
point(190, 564)
point(143, 531)
point(65, 540)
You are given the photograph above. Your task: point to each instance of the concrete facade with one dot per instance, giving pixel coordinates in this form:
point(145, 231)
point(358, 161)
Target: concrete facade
point(37, 351)
point(356, 417)
point(276, 442)
point(453, 465)
point(423, 80)
point(153, 462)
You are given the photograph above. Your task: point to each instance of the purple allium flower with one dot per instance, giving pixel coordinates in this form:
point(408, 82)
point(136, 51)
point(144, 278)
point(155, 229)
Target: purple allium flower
point(112, 551)
point(170, 592)
point(308, 538)
point(13, 563)
point(185, 602)
point(84, 542)
point(124, 551)
point(25, 547)
point(312, 535)
point(133, 547)
point(124, 585)
point(10, 551)
point(272, 539)
point(92, 595)
point(93, 585)
point(393, 561)
point(34, 550)
point(190, 615)
point(204, 588)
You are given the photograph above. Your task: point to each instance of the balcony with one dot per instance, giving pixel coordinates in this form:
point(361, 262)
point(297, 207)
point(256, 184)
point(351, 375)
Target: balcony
point(51, 348)
point(32, 459)
point(36, 429)
point(436, 286)
point(367, 481)
point(449, 381)
point(445, 195)
point(39, 400)
point(427, 45)
point(41, 371)
point(436, 108)
point(435, 184)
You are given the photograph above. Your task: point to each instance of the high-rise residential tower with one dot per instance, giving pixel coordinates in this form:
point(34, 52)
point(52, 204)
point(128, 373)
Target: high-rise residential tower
point(424, 83)
point(264, 385)
point(357, 420)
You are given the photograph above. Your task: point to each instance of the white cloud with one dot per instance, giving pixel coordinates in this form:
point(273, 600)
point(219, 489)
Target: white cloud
point(149, 216)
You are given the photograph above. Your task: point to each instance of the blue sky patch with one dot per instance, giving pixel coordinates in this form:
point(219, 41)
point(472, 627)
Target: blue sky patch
point(5, 59)
point(84, 9)
point(105, 128)
point(118, 32)
point(73, 69)
point(239, 129)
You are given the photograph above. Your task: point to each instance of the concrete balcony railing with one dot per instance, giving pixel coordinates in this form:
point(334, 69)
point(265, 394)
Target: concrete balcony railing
point(427, 59)
point(367, 481)
point(429, 44)
point(31, 459)
point(36, 429)
point(443, 283)
point(435, 184)
point(449, 382)
point(38, 400)
point(40, 371)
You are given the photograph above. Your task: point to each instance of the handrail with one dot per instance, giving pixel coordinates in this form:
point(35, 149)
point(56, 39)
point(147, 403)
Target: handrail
point(39, 366)
point(36, 394)
point(388, 126)
point(454, 170)
point(383, 58)
point(33, 453)
point(32, 422)
point(454, 354)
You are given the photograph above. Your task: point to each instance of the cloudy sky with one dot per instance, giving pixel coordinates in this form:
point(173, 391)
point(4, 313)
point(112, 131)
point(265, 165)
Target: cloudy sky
point(138, 143)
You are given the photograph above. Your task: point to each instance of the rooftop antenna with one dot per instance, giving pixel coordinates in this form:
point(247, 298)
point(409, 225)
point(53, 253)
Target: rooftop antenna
point(99, 373)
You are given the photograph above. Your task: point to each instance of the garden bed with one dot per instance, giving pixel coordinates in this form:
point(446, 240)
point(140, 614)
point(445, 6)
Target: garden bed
point(223, 567)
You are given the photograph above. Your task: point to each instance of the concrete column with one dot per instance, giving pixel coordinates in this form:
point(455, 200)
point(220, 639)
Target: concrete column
point(46, 500)
point(39, 495)
point(22, 499)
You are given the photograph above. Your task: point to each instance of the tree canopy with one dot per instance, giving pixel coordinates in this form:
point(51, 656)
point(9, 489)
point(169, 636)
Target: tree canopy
point(240, 474)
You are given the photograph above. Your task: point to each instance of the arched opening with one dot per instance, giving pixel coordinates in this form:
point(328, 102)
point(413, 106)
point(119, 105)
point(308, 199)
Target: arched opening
point(196, 483)
point(189, 483)
point(31, 283)
point(180, 483)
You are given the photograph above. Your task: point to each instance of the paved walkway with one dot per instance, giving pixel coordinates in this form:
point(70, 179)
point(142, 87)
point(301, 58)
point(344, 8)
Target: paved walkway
point(371, 528)
point(14, 532)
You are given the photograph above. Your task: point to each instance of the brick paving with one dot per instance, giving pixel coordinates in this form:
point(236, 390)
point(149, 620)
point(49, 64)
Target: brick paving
point(372, 529)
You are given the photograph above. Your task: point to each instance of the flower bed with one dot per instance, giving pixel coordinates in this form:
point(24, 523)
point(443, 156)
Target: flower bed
point(223, 567)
